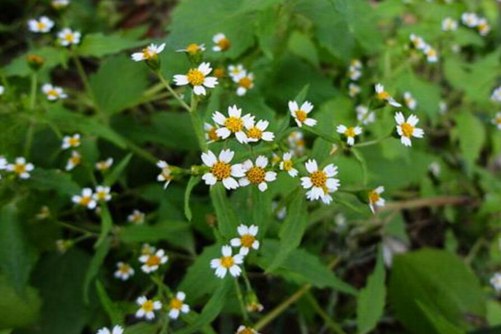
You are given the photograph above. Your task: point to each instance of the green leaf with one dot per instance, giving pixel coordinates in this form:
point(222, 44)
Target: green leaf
point(53, 180)
point(52, 56)
point(17, 310)
point(94, 266)
point(111, 309)
point(301, 45)
point(142, 328)
point(439, 323)
point(106, 224)
point(112, 177)
point(119, 84)
point(370, 301)
point(194, 180)
point(471, 134)
point(441, 283)
point(292, 230)
point(99, 45)
point(227, 219)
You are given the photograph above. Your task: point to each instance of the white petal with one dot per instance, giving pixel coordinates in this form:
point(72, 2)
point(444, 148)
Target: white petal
point(399, 118)
point(306, 182)
point(199, 90)
point(181, 80)
point(261, 161)
point(209, 179)
point(230, 183)
point(418, 133)
point(236, 242)
point(223, 133)
point(310, 122)
point(210, 82)
point(262, 186)
point(209, 158)
point(270, 176)
point(226, 156)
point(412, 120)
point(218, 118)
point(311, 166)
point(293, 106)
point(341, 129)
point(307, 107)
point(235, 271)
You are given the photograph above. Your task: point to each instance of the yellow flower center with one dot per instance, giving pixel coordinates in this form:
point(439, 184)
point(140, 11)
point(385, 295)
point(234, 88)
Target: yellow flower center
point(431, 53)
point(192, 49)
point(147, 306)
point(148, 54)
point(373, 196)
point(221, 170)
point(301, 115)
point(124, 268)
point(350, 132)
point(287, 165)
point(497, 120)
point(19, 168)
point(101, 195)
point(256, 175)
point(247, 240)
point(383, 95)
point(224, 44)
point(53, 93)
point(407, 129)
point(245, 82)
point(75, 160)
point(234, 124)
point(175, 304)
point(195, 77)
point(153, 260)
point(41, 25)
point(166, 174)
point(213, 134)
point(74, 141)
point(219, 72)
point(85, 200)
point(254, 132)
point(246, 330)
point(69, 38)
point(318, 179)
point(227, 261)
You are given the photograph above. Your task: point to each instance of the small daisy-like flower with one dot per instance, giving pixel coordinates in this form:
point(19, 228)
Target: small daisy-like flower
point(234, 123)
point(354, 73)
point(148, 53)
point(410, 101)
point(102, 194)
point(483, 27)
point(116, 330)
point(53, 93)
point(227, 262)
point(469, 19)
point(21, 168)
point(73, 161)
point(68, 37)
point(364, 116)
point(86, 199)
point(3, 163)
point(356, 63)
point(496, 94)
point(320, 182)
point(197, 78)
point(147, 249)
point(245, 83)
point(431, 54)
point(177, 305)
point(448, 24)
point(353, 89)
point(497, 120)
point(59, 4)
point(71, 141)
point(247, 239)
point(257, 173)
point(407, 129)
point(300, 114)
point(136, 217)
point(246, 330)
point(287, 165)
point(221, 169)
point(104, 165)
point(124, 271)
point(222, 43)
point(296, 142)
point(153, 261)
point(165, 174)
point(211, 132)
point(383, 95)
point(147, 307)
point(193, 49)
point(418, 42)
point(496, 282)
point(349, 132)
point(40, 25)
point(375, 199)
point(257, 131)
point(236, 72)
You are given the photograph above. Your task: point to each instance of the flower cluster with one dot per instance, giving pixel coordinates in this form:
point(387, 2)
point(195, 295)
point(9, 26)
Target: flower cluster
point(472, 20)
point(20, 167)
point(89, 198)
point(419, 44)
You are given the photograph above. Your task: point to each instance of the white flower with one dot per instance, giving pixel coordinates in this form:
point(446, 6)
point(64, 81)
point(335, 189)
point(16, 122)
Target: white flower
point(246, 330)
point(153, 261)
point(221, 169)
point(104, 165)
point(349, 132)
point(320, 182)
point(245, 83)
point(176, 305)
point(197, 78)
point(53, 93)
point(86, 199)
point(165, 174)
point(257, 131)
point(247, 239)
point(3, 163)
point(136, 217)
point(68, 37)
point(496, 94)
point(434, 168)
point(469, 19)
point(287, 165)
point(431, 54)
point(483, 27)
point(193, 48)
point(497, 120)
point(148, 53)
point(383, 95)
point(21, 168)
point(124, 271)
point(40, 25)
point(257, 174)
point(59, 4)
point(418, 42)
point(364, 116)
point(227, 262)
point(496, 282)
point(222, 43)
point(2, 90)
point(236, 72)
point(448, 24)
point(73, 161)
point(147, 249)
point(102, 193)
point(116, 330)
point(300, 114)
point(407, 129)
point(375, 199)
point(410, 101)
point(234, 123)
point(354, 73)
point(353, 89)
point(296, 142)
point(211, 132)
point(147, 307)
point(356, 63)
point(71, 141)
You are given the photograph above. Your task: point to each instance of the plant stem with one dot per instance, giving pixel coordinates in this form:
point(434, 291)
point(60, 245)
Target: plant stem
point(197, 123)
point(241, 300)
point(428, 202)
point(330, 323)
point(173, 92)
point(33, 94)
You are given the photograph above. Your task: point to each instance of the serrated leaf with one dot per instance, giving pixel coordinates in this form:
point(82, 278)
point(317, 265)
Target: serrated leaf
point(194, 180)
point(99, 45)
point(471, 135)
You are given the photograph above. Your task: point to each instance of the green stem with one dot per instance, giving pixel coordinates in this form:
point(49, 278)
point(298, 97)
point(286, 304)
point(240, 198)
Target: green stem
point(33, 94)
point(173, 92)
point(83, 76)
point(363, 164)
point(29, 139)
point(241, 300)
point(77, 229)
point(198, 125)
point(328, 321)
